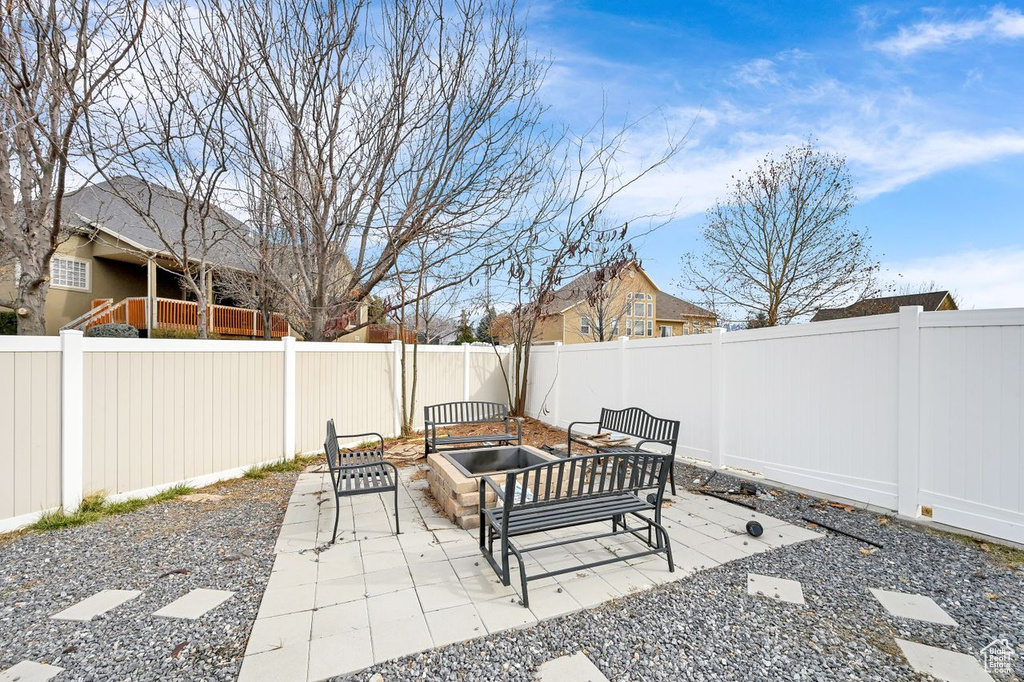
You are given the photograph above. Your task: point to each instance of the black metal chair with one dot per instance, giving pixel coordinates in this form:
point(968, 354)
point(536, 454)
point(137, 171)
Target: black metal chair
point(358, 473)
point(637, 423)
point(573, 492)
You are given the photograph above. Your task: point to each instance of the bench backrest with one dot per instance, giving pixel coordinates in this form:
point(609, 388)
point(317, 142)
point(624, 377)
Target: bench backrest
point(331, 445)
point(586, 476)
point(465, 413)
point(637, 422)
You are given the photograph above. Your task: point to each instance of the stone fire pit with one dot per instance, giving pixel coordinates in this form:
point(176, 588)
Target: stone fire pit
point(454, 477)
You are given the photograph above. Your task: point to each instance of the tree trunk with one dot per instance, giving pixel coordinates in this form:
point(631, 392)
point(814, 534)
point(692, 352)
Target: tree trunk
point(202, 317)
point(31, 308)
point(316, 323)
point(268, 322)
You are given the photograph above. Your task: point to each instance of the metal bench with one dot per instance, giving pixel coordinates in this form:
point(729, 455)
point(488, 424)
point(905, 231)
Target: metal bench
point(358, 473)
point(455, 414)
point(574, 492)
point(637, 423)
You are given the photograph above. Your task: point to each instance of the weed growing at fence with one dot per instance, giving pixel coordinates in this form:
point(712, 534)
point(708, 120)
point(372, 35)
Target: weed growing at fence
point(95, 507)
point(297, 464)
point(1001, 555)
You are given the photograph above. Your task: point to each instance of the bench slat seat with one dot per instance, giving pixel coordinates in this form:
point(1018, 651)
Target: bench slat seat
point(552, 516)
point(582, 491)
point(358, 473)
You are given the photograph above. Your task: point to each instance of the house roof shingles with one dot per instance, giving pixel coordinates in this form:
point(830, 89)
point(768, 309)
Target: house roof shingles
point(104, 204)
point(671, 308)
point(930, 301)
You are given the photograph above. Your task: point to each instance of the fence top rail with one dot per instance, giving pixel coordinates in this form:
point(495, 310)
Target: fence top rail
point(102, 345)
point(21, 344)
point(343, 347)
point(871, 323)
point(1002, 317)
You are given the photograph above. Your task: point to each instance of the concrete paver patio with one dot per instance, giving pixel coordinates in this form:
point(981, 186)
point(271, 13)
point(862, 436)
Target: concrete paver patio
point(373, 596)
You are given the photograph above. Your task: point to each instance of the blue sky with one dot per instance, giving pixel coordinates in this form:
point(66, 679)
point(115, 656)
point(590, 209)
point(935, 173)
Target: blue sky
point(926, 103)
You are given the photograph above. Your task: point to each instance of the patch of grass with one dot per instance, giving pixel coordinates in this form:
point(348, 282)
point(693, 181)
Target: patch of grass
point(297, 464)
point(94, 507)
point(1001, 555)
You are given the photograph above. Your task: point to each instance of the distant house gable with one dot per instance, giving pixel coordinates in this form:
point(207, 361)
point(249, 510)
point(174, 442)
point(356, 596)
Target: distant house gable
point(577, 291)
point(930, 301)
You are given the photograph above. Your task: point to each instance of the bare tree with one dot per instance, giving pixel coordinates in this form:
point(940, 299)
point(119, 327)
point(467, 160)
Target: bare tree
point(58, 58)
point(258, 283)
point(779, 244)
point(173, 131)
point(392, 122)
point(567, 232)
point(603, 296)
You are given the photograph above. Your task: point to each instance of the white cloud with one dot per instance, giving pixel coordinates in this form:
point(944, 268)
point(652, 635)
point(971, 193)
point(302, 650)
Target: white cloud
point(758, 72)
point(1000, 23)
point(981, 278)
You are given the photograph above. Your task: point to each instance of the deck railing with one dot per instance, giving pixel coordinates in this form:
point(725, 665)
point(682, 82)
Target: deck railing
point(386, 333)
point(183, 316)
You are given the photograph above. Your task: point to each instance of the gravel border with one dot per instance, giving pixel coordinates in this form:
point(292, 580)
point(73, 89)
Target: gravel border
point(706, 627)
point(226, 544)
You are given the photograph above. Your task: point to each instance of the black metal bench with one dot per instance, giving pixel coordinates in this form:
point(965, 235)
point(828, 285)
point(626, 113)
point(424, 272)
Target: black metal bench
point(455, 414)
point(575, 492)
point(358, 473)
point(637, 423)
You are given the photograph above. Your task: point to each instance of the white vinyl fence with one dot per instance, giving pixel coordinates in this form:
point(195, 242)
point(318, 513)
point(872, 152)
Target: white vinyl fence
point(131, 417)
point(918, 412)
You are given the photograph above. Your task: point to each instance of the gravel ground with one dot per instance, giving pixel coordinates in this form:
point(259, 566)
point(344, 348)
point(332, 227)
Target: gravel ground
point(702, 628)
point(226, 545)
point(706, 627)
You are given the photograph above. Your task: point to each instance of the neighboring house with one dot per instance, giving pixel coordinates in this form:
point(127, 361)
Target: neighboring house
point(628, 304)
point(931, 301)
point(113, 267)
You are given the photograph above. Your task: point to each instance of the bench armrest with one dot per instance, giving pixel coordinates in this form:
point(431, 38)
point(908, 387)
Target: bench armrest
point(360, 435)
point(487, 481)
point(519, 427)
point(569, 431)
point(659, 442)
point(568, 445)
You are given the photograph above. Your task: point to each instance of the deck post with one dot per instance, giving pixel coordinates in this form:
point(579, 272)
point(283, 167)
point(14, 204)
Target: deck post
point(72, 419)
point(151, 314)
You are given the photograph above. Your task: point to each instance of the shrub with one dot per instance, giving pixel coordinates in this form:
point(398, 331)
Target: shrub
point(8, 324)
point(114, 331)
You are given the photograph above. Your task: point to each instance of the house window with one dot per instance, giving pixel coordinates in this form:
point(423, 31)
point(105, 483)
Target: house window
point(666, 330)
point(650, 328)
point(615, 328)
point(584, 325)
point(69, 273)
point(638, 327)
point(638, 309)
point(650, 310)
